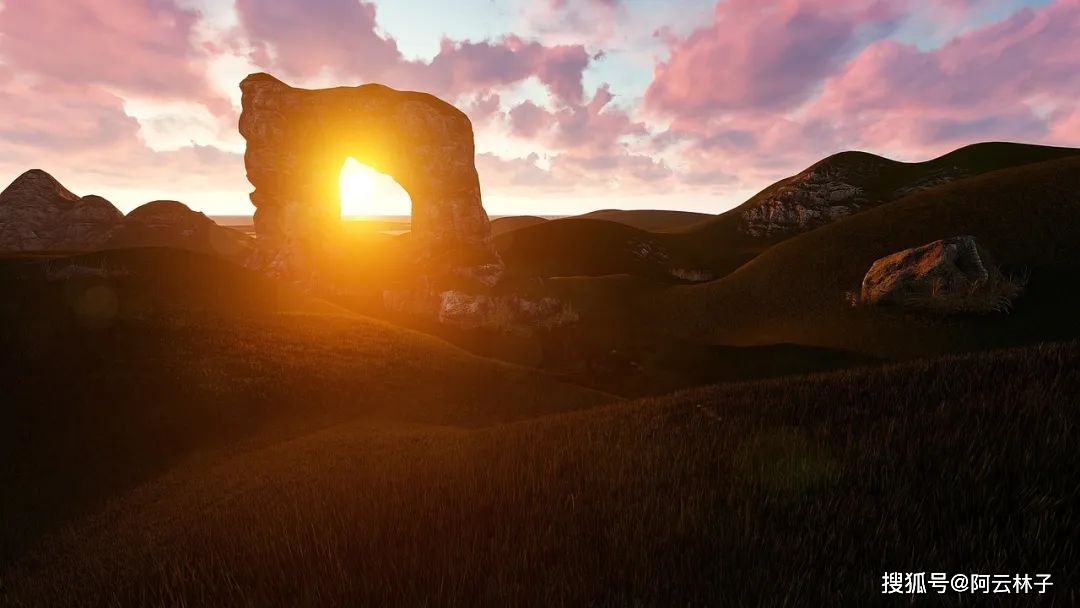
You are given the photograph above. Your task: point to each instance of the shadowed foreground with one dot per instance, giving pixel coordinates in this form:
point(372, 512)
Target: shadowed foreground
point(795, 492)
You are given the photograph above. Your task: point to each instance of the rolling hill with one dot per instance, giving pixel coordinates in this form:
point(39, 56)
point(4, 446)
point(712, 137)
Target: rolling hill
point(832, 189)
point(652, 220)
point(839, 186)
point(116, 366)
point(575, 247)
point(173, 224)
point(1027, 216)
point(799, 492)
point(500, 225)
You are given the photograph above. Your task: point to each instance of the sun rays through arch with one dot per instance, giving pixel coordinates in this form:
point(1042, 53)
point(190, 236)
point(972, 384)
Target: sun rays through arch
point(365, 192)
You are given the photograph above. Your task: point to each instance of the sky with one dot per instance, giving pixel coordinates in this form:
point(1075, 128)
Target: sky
point(576, 104)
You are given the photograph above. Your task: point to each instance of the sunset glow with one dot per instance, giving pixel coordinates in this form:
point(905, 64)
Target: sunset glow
point(365, 192)
point(575, 104)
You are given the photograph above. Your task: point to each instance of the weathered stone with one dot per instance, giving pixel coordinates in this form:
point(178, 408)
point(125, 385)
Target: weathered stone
point(298, 139)
point(806, 201)
point(833, 189)
point(37, 213)
point(953, 273)
point(506, 312)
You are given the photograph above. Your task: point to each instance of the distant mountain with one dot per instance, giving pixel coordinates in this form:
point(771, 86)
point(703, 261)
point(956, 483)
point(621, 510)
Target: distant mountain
point(37, 213)
point(172, 224)
point(654, 220)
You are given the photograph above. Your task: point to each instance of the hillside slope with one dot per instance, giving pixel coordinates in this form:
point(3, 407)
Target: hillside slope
point(842, 185)
point(832, 189)
point(577, 247)
point(1028, 217)
point(800, 492)
point(653, 220)
point(109, 381)
point(500, 225)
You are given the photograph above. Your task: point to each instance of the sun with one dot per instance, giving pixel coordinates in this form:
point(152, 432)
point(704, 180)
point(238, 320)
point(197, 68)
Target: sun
point(366, 192)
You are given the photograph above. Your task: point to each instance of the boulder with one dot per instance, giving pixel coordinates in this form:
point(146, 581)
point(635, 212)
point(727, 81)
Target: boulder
point(298, 140)
point(951, 275)
point(37, 213)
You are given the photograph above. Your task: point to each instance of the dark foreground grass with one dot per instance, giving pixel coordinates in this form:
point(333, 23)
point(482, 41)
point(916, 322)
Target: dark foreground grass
point(107, 382)
point(796, 492)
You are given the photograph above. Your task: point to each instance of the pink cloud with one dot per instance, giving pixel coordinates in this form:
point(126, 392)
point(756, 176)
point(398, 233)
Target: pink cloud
point(1006, 80)
point(528, 119)
point(762, 54)
point(307, 36)
point(595, 125)
point(143, 48)
point(1013, 79)
point(462, 67)
point(483, 107)
point(580, 173)
point(557, 5)
point(300, 38)
point(598, 20)
point(1066, 127)
point(80, 133)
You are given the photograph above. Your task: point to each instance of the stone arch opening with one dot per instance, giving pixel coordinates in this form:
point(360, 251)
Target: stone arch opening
point(363, 192)
point(298, 140)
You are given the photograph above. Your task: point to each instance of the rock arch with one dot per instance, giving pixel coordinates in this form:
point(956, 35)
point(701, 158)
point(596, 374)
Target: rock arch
point(297, 140)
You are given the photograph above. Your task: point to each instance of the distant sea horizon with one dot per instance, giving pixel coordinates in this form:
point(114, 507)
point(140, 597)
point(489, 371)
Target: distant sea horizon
point(246, 220)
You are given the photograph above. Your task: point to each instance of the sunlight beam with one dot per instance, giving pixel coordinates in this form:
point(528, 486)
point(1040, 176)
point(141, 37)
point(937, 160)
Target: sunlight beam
point(365, 192)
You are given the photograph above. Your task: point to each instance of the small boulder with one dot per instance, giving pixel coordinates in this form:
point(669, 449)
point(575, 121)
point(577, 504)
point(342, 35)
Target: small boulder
point(951, 275)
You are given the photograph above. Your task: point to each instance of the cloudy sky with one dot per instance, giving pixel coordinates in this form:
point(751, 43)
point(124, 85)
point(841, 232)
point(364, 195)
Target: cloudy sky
point(577, 104)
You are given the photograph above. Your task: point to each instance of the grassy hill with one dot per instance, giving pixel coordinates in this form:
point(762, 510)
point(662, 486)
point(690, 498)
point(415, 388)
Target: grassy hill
point(109, 381)
point(575, 247)
point(652, 220)
point(799, 492)
point(1027, 216)
point(176, 430)
point(500, 225)
point(717, 245)
point(724, 239)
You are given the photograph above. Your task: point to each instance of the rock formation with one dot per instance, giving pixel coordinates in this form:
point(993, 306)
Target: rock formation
point(297, 141)
point(37, 213)
point(834, 188)
point(173, 224)
point(820, 195)
point(950, 275)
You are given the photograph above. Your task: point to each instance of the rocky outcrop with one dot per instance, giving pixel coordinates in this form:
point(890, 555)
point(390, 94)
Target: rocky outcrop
point(834, 188)
point(505, 313)
point(173, 224)
point(297, 141)
point(37, 213)
point(951, 275)
point(821, 195)
point(656, 261)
